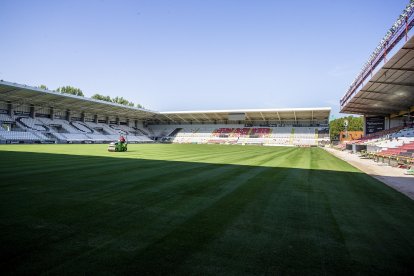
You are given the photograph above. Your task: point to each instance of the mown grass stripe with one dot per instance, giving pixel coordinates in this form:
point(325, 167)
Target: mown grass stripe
point(197, 209)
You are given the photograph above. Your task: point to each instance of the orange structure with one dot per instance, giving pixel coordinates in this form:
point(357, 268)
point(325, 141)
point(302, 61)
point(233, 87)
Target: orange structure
point(352, 135)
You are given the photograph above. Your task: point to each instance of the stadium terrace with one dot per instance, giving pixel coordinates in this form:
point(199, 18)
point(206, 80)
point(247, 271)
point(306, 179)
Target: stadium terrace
point(383, 93)
point(27, 116)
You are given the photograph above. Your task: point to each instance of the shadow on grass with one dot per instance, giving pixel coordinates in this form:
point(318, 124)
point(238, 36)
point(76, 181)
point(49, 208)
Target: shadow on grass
point(81, 214)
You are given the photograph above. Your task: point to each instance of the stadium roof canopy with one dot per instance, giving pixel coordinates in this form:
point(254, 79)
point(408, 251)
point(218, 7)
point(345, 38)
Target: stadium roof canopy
point(285, 114)
point(23, 94)
point(386, 87)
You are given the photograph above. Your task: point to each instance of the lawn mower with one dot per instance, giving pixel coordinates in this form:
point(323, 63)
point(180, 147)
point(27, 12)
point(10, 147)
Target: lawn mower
point(118, 146)
point(410, 171)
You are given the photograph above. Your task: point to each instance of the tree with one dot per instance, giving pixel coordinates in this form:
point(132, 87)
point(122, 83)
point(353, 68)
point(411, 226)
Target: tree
point(101, 97)
point(42, 86)
point(356, 124)
point(118, 100)
point(121, 100)
point(70, 90)
point(337, 125)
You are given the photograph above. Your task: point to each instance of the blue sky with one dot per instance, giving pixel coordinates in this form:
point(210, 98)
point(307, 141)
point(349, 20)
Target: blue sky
point(192, 55)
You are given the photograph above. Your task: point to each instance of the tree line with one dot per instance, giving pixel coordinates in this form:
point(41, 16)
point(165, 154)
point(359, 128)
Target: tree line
point(338, 125)
point(78, 92)
point(118, 100)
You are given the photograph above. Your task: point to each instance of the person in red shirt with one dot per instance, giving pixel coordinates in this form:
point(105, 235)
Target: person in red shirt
point(122, 139)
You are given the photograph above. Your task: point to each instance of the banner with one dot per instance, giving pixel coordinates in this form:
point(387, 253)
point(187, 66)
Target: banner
point(374, 124)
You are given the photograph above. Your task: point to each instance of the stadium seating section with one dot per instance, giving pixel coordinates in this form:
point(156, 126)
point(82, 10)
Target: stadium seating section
point(394, 146)
point(23, 129)
point(237, 134)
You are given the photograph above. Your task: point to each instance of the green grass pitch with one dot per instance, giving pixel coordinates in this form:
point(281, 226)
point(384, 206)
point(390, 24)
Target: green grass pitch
point(197, 209)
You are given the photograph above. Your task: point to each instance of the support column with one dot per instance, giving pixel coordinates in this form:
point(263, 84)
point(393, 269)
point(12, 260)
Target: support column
point(32, 111)
point(136, 123)
point(10, 110)
point(387, 122)
point(107, 120)
point(117, 120)
point(83, 116)
point(364, 125)
point(68, 115)
point(95, 118)
point(52, 113)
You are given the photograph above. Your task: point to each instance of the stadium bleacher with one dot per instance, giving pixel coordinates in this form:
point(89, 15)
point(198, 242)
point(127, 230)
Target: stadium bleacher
point(393, 146)
point(74, 119)
point(238, 134)
point(19, 136)
point(45, 130)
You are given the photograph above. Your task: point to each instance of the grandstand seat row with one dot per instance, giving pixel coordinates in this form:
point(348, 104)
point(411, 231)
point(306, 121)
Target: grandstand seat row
point(395, 143)
point(23, 128)
point(26, 129)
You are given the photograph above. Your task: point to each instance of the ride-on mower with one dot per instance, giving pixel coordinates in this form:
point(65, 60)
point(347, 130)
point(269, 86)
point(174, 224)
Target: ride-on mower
point(118, 146)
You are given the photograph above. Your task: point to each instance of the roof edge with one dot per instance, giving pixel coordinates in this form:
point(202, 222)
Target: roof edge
point(53, 92)
point(249, 110)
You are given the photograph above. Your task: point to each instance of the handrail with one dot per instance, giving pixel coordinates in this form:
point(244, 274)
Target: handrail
point(398, 30)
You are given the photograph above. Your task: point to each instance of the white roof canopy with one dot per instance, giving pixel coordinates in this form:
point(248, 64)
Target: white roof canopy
point(23, 94)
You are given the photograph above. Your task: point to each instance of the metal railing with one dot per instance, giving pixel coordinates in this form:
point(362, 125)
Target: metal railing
point(398, 31)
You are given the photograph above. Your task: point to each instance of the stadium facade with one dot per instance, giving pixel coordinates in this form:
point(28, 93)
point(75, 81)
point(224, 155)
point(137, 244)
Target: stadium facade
point(30, 114)
point(383, 92)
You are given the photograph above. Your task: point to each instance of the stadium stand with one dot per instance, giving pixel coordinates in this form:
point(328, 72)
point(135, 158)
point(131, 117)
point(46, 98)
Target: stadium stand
point(383, 94)
point(20, 136)
point(74, 119)
point(59, 130)
point(238, 134)
point(23, 129)
point(394, 146)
